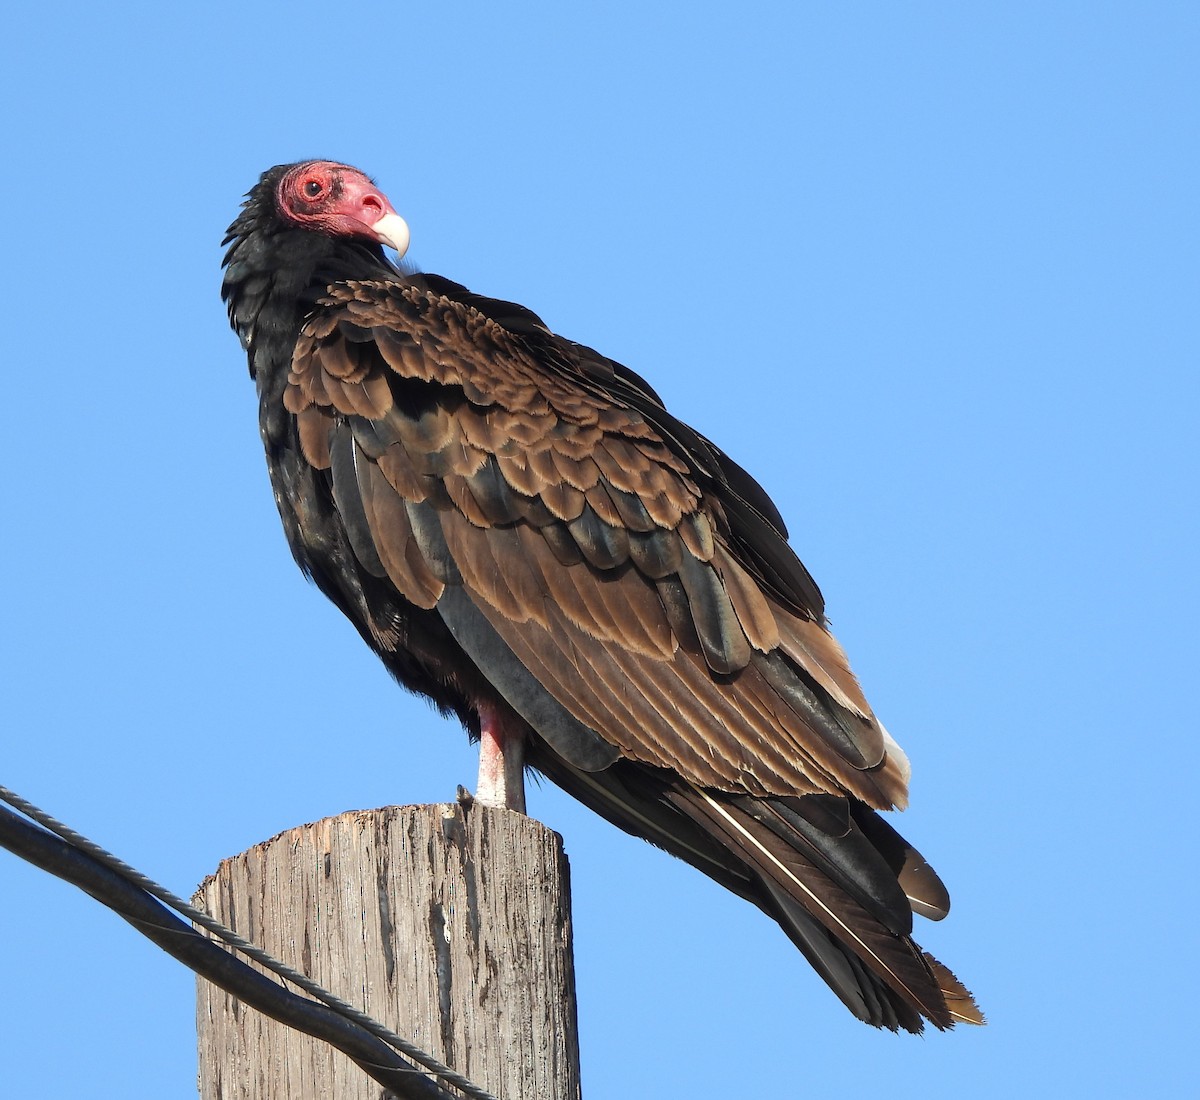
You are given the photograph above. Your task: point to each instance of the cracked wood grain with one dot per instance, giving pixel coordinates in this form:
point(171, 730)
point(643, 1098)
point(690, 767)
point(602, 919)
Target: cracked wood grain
point(449, 925)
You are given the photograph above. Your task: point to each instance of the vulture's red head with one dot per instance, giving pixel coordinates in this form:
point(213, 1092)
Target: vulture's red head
point(339, 201)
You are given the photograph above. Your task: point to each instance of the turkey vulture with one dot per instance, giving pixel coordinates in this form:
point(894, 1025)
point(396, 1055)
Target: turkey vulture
point(524, 534)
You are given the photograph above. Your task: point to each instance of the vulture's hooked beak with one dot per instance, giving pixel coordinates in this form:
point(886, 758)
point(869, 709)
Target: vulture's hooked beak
point(392, 230)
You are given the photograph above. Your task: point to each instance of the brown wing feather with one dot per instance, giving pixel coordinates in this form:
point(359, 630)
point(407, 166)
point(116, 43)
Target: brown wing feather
point(491, 436)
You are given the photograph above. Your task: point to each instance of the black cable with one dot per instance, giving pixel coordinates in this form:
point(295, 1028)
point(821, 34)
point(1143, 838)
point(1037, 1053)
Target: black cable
point(201, 919)
point(378, 1060)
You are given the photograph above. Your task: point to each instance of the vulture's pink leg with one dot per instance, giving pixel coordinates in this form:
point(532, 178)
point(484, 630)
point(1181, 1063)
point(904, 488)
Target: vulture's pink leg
point(501, 763)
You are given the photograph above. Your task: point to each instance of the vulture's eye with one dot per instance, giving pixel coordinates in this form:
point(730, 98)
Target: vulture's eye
point(313, 189)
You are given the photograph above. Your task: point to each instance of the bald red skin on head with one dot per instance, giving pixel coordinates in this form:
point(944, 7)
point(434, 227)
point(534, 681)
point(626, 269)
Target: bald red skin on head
point(333, 199)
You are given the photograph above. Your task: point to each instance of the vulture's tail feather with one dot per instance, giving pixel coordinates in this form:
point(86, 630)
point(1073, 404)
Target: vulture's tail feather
point(841, 882)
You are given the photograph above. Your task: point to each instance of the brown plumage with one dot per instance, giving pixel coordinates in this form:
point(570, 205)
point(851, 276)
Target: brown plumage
point(523, 533)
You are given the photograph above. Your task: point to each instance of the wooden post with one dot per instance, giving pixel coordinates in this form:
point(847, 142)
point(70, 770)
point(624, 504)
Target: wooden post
point(449, 925)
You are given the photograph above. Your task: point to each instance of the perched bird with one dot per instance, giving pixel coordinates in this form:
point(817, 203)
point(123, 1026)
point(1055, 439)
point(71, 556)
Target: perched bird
point(523, 533)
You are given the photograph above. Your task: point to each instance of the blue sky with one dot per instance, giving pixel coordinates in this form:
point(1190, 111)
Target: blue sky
point(928, 270)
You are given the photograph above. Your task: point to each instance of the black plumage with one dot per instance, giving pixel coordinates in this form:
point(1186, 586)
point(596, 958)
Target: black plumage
point(522, 532)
